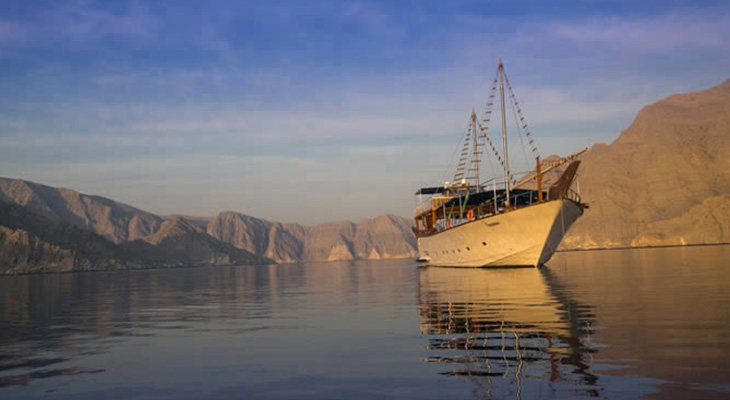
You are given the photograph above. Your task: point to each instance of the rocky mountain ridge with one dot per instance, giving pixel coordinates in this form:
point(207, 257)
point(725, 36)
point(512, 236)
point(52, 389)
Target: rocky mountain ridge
point(115, 221)
point(386, 236)
point(30, 243)
point(665, 179)
point(205, 239)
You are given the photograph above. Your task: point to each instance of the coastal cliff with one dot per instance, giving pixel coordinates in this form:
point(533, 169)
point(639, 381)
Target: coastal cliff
point(31, 243)
point(386, 236)
point(126, 237)
point(654, 184)
point(115, 221)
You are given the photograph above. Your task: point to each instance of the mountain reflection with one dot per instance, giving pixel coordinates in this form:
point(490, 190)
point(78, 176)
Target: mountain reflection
point(507, 329)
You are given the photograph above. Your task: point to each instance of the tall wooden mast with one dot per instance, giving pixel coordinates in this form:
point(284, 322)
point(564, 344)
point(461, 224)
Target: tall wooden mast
point(476, 148)
point(504, 135)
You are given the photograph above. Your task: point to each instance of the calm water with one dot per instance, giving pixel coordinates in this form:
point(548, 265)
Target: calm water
point(608, 324)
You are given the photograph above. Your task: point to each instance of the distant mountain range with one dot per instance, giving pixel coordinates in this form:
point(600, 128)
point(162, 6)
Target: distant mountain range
point(664, 181)
point(46, 229)
point(377, 238)
point(30, 243)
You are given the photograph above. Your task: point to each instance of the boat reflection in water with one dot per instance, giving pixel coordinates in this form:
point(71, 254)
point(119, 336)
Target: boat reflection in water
point(512, 331)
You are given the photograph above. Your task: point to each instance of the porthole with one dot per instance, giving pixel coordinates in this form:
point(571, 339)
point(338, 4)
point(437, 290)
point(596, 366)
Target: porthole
point(468, 249)
point(459, 250)
point(484, 243)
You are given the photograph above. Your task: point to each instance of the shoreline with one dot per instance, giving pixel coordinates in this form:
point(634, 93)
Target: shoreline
point(644, 247)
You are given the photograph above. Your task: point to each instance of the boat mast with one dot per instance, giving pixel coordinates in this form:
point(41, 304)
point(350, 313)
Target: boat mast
point(504, 135)
point(476, 153)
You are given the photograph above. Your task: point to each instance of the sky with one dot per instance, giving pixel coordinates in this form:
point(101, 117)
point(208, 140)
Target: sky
point(316, 111)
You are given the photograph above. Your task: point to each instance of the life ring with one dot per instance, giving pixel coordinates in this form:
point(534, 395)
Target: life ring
point(470, 215)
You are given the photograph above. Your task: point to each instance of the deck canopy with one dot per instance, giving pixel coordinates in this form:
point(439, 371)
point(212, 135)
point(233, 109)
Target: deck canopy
point(430, 190)
point(488, 196)
point(519, 197)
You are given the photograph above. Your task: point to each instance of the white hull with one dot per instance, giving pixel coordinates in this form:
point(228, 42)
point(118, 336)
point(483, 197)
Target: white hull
point(524, 237)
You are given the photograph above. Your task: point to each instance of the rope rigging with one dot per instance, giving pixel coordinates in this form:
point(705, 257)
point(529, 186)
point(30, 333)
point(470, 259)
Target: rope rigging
point(476, 136)
point(516, 107)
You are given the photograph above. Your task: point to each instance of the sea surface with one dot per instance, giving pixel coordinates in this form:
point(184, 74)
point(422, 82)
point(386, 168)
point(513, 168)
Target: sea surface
point(624, 324)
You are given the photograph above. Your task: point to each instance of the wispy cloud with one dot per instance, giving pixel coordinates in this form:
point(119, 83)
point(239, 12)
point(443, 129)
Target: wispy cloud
point(79, 22)
point(82, 22)
point(707, 30)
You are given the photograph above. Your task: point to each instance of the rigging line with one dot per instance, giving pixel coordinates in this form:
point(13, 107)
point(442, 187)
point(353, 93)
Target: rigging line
point(528, 133)
point(519, 131)
point(462, 169)
point(466, 165)
point(487, 117)
point(451, 159)
point(486, 137)
point(517, 112)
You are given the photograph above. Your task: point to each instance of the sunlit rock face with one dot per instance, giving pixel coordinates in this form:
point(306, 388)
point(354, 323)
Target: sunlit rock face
point(708, 222)
point(376, 238)
point(30, 243)
point(115, 221)
point(22, 252)
point(664, 180)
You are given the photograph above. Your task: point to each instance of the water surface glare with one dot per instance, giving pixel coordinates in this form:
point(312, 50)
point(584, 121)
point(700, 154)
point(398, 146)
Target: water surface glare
point(650, 323)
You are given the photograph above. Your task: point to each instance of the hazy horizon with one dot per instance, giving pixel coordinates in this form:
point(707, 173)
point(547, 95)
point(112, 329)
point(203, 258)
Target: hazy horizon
point(321, 111)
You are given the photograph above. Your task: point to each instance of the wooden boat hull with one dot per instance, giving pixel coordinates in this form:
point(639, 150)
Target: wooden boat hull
point(524, 237)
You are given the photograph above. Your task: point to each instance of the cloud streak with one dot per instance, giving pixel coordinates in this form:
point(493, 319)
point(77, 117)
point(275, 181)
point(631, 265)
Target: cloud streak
point(78, 22)
point(708, 30)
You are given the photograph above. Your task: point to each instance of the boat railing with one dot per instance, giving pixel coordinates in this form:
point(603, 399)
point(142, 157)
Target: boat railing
point(430, 203)
point(573, 195)
point(486, 209)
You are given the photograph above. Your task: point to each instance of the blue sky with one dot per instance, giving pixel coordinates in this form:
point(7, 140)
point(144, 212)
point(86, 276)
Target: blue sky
point(313, 111)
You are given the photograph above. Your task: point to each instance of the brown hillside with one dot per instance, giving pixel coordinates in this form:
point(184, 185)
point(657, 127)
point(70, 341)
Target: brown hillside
point(117, 222)
point(30, 243)
point(380, 237)
point(673, 156)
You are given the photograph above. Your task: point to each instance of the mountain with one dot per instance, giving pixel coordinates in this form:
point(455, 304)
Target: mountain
point(183, 243)
point(227, 238)
point(31, 243)
point(174, 227)
point(386, 236)
point(117, 222)
point(708, 222)
point(664, 181)
point(200, 222)
point(381, 237)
